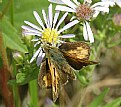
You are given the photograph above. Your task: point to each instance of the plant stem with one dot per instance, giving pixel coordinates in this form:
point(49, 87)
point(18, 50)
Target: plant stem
point(15, 89)
point(12, 12)
point(33, 89)
point(4, 76)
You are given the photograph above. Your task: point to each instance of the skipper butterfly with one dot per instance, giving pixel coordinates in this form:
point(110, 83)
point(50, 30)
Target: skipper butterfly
point(61, 64)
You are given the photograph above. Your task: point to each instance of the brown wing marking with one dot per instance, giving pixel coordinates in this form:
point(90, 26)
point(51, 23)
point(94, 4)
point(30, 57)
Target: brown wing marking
point(77, 50)
point(55, 81)
point(44, 77)
point(76, 54)
point(78, 63)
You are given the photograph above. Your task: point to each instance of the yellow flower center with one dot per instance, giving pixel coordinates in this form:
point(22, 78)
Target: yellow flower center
point(50, 36)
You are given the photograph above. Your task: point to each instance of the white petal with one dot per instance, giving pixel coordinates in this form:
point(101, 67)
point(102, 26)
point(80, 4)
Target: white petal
point(50, 15)
point(70, 4)
point(35, 55)
point(31, 33)
point(45, 18)
point(32, 25)
point(39, 20)
point(72, 18)
point(67, 36)
point(85, 33)
point(64, 8)
point(61, 20)
point(56, 1)
point(56, 18)
point(29, 29)
point(60, 41)
point(40, 58)
point(103, 4)
point(36, 43)
point(96, 14)
point(90, 34)
point(68, 25)
point(76, 2)
point(118, 2)
point(102, 9)
point(35, 39)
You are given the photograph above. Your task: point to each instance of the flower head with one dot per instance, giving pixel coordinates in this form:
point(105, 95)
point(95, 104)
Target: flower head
point(48, 32)
point(84, 12)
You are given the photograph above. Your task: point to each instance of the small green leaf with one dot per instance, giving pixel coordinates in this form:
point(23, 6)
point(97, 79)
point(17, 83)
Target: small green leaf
point(114, 103)
point(20, 78)
point(23, 78)
point(11, 39)
point(82, 78)
point(98, 100)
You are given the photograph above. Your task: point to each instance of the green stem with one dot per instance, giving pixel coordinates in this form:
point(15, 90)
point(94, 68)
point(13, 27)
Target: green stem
point(12, 12)
point(33, 89)
point(74, 29)
point(16, 96)
point(15, 89)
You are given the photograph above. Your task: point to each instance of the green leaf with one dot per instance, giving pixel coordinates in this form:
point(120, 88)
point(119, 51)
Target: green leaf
point(11, 39)
point(23, 78)
point(114, 103)
point(82, 78)
point(20, 77)
point(98, 100)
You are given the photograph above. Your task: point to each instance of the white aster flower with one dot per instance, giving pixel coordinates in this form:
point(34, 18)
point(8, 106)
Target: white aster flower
point(48, 32)
point(118, 2)
point(84, 12)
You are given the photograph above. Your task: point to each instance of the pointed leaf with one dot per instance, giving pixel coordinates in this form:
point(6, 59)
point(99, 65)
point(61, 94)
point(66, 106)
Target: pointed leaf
point(98, 100)
point(11, 39)
point(114, 103)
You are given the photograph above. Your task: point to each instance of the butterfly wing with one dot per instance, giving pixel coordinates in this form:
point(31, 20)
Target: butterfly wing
point(59, 69)
point(55, 80)
point(78, 50)
point(77, 54)
point(60, 61)
point(44, 77)
point(78, 63)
